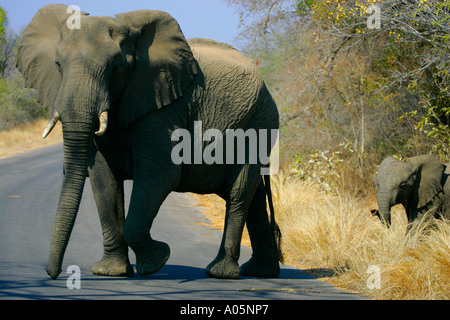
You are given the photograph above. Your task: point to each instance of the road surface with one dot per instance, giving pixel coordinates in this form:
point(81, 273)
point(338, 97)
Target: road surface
point(29, 192)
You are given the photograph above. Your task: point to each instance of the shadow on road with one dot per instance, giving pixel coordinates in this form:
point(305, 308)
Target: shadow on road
point(188, 273)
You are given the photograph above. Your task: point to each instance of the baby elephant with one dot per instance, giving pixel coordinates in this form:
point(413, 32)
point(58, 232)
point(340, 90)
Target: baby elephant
point(420, 184)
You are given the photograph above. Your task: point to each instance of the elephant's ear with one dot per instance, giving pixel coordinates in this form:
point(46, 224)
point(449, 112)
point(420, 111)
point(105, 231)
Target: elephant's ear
point(36, 53)
point(430, 172)
point(164, 65)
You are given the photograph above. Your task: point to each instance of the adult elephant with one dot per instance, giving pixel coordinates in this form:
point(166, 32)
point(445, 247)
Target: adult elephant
point(420, 184)
point(121, 87)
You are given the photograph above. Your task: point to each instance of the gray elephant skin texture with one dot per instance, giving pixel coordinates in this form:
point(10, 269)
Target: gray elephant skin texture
point(121, 86)
point(419, 183)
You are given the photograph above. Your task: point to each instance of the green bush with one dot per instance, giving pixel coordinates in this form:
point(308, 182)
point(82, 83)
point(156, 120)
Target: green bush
point(17, 104)
point(320, 167)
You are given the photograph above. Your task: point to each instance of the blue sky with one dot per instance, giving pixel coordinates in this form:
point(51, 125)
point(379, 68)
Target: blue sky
point(213, 19)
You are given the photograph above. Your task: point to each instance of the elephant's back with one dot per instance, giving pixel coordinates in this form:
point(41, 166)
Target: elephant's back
point(231, 85)
point(221, 57)
point(202, 42)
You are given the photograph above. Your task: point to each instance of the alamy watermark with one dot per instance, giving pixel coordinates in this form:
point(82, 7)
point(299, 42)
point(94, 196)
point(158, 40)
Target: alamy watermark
point(74, 21)
point(74, 280)
point(374, 279)
point(374, 21)
point(236, 146)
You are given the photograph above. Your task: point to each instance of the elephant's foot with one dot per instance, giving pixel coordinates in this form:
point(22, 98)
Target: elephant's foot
point(224, 268)
point(261, 267)
point(113, 267)
point(152, 258)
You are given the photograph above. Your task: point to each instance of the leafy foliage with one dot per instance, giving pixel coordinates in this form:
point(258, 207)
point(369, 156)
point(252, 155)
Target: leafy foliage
point(320, 168)
point(3, 23)
point(411, 49)
point(17, 104)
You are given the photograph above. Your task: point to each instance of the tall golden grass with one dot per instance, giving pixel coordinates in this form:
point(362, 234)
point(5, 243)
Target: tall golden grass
point(334, 236)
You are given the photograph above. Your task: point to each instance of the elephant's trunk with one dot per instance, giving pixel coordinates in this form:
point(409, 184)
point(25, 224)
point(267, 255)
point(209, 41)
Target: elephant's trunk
point(384, 208)
point(79, 122)
point(76, 155)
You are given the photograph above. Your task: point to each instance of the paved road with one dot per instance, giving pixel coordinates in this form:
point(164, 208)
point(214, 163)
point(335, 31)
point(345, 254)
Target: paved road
point(29, 192)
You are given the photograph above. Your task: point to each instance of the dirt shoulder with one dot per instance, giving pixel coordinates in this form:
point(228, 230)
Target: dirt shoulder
point(27, 137)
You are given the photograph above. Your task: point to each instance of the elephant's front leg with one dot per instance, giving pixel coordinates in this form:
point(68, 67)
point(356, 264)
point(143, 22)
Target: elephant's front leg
point(242, 190)
point(146, 199)
point(109, 197)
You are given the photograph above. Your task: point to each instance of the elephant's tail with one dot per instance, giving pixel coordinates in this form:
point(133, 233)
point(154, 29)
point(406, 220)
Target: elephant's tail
point(273, 224)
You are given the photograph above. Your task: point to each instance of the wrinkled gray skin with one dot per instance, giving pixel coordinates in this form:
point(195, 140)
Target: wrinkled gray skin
point(121, 86)
point(420, 184)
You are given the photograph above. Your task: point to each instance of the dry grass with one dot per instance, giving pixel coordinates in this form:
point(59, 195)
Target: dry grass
point(27, 137)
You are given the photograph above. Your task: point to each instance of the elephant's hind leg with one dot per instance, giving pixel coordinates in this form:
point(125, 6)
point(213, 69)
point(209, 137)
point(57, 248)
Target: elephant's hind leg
point(265, 258)
point(243, 184)
point(109, 197)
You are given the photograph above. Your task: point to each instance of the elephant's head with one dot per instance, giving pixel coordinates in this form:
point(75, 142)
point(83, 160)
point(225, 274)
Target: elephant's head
point(413, 183)
point(115, 69)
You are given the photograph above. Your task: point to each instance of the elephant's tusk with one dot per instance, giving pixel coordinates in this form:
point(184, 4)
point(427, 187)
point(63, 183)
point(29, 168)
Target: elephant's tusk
point(103, 123)
point(51, 124)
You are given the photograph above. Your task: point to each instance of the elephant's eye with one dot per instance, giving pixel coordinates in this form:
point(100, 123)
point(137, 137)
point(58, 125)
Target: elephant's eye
point(117, 67)
point(58, 65)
